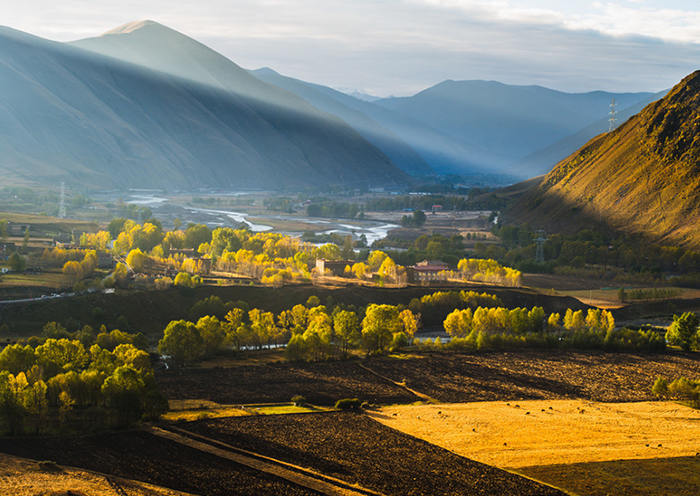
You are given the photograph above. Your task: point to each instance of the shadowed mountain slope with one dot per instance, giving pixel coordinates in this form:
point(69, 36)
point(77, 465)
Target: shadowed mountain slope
point(74, 115)
point(429, 150)
point(542, 161)
point(500, 124)
point(357, 113)
point(643, 177)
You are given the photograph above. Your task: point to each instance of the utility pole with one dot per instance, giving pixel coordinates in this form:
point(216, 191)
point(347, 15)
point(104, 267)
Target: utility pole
point(62, 202)
point(613, 115)
point(540, 240)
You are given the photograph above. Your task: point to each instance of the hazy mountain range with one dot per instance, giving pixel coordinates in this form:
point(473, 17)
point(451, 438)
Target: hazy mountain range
point(644, 177)
point(144, 105)
point(74, 115)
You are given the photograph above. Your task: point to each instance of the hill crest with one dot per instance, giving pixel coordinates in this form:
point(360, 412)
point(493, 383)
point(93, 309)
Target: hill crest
point(643, 177)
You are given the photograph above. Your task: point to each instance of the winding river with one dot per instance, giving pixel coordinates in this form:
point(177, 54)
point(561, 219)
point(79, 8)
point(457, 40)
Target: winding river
point(372, 230)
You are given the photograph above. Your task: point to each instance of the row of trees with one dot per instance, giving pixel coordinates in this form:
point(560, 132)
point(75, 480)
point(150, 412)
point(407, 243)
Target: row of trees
point(382, 328)
point(488, 270)
point(498, 327)
point(597, 247)
point(310, 332)
point(434, 307)
point(270, 258)
point(684, 331)
point(61, 384)
point(679, 389)
point(75, 271)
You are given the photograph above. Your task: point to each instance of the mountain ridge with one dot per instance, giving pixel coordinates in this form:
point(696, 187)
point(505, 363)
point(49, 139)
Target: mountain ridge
point(643, 177)
point(500, 124)
point(71, 114)
point(356, 113)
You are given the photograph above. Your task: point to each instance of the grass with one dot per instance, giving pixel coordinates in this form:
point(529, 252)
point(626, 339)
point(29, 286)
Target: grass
point(282, 409)
point(199, 414)
point(189, 410)
point(22, 477)
point(261, 357)
point(608, 298)
point(542, 432)
point(679, 476)
point(41, 280)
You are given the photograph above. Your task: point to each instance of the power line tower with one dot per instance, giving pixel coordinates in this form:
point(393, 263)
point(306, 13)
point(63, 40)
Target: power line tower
point(613, 115)
point(62, 202)
point(540, 240)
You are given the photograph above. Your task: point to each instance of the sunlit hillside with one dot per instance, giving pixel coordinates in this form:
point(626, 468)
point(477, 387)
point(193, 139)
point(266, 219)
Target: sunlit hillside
point(643, 177)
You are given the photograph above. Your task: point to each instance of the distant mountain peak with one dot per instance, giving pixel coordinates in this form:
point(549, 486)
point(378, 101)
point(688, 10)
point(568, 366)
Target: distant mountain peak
point(133, 26)
point(265, 70)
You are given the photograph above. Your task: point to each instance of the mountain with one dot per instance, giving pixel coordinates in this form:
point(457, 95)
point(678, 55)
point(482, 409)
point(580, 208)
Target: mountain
point(397, 135)
point(643, 177)
point(542, 161)
point(363, 96)
point(90, 119)
point(357, 114)
point(499, 124)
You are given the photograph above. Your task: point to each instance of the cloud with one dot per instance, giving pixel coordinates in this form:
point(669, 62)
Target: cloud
point(629, 17)
point(401, 46)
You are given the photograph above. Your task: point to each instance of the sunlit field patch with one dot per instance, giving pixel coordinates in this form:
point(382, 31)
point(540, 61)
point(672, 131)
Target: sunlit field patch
point(540, 432)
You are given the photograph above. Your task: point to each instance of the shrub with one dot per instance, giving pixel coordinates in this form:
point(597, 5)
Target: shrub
point(49, 466)
point(660, 387)
point(348, 404)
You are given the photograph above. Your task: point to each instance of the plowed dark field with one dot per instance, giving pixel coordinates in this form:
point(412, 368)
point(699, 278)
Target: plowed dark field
point(448, 377)
point(144, 457)
point(357, 449)
point(320, 383)
point(457, 378)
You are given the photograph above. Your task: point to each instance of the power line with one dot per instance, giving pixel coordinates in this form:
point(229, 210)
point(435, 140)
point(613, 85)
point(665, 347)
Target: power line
point(62, 202)
point(613, 115)
point(540, 241)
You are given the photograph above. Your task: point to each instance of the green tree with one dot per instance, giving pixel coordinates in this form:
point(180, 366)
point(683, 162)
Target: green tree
point(347, 329)
point(61, 355)
point(17, 358)
point(313, 301)
point(196, 234)
point(185, 280)
point(684, 331)
point(459, 323)
point(17, 262)
point(224, 238)
point(136, 259)
point(660, 387)
point(213, 334)
point(116, 226)
point(122, 392)
point(379, 325)
point(182, 341)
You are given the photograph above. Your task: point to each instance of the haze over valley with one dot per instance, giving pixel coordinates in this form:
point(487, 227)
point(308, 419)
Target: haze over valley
point(396, 248)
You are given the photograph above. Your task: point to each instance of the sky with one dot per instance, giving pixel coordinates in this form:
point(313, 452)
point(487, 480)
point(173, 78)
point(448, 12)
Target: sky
point(399, 47)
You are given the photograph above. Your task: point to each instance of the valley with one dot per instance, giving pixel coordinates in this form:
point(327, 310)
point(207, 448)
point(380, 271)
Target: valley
point(382, 249)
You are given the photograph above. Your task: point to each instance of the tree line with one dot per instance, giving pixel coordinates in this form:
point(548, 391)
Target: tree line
point(312, 331)
point(89, 380)
point(498, 327)
point(680, 388)
point(309, 332)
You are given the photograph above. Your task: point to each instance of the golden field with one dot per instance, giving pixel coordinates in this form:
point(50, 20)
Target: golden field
point(544, 432)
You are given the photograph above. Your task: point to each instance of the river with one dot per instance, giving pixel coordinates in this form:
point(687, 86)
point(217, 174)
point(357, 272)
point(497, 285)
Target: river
point(372, 230)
